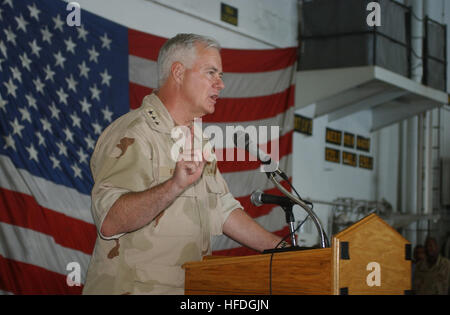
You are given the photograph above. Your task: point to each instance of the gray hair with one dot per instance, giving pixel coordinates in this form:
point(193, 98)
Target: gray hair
point(181, 48)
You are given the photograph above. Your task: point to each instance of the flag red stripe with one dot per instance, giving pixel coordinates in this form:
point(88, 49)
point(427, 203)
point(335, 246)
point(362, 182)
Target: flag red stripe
point(233, 60)
point(244, 251)
point(285, 148)
point(252, 108)
point(22, 278)
point(144, 45)
point(23, 210)
point(254, 60)
point(137, 93)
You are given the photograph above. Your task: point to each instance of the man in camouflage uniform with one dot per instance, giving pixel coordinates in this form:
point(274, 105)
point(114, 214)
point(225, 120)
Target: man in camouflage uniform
point(155, 205)
point(432, 275)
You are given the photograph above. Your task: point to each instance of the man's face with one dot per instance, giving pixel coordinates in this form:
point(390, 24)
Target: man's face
point(202, 83)
point(431, 248)
point(419, 254)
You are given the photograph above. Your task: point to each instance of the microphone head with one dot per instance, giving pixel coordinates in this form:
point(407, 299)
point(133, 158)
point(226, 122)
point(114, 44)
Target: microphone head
point(255, 198)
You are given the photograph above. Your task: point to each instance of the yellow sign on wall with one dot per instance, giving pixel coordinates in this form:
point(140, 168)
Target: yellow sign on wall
point(349, 140)
point(363, 144)
point(229, 14)
point(332, 155)
point(349, 158)
point(303, 125)
point(333, 136)
point(365, 162)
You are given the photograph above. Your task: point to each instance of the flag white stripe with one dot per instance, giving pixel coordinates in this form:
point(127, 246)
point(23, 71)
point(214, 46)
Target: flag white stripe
point(143, 71)
point(275, 220)
point(47, 194)
point(237, 85)
point(39, 249)
point(6, 293)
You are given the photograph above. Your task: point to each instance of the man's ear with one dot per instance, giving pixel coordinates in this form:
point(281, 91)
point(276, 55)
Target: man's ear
point(177, 70)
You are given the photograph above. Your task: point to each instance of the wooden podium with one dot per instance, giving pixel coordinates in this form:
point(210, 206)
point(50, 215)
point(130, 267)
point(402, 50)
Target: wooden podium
point(369, 257)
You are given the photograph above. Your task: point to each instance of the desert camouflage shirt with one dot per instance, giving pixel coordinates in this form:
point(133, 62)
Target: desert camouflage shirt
point(433, 280)
point(134, 154)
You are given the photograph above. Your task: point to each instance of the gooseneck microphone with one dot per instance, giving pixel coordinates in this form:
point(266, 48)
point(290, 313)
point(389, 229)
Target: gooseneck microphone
point(258, 198)
point(242, 141)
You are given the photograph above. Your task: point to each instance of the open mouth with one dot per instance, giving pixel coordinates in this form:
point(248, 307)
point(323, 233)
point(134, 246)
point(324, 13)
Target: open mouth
point(214, 98)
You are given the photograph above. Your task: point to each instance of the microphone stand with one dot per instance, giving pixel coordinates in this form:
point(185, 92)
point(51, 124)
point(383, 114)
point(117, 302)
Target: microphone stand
point(323, 239)
point(290, 220)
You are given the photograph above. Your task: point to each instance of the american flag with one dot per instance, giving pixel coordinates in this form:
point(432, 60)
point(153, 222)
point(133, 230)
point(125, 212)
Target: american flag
point(60, 86)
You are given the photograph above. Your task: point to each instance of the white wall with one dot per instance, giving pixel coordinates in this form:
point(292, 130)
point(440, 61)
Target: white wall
point(387, 162)
point(274, 22)
point(320, 179)
point(262, 23)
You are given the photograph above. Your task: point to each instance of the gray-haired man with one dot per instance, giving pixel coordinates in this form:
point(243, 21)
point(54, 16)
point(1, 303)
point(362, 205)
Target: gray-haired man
point(154, 212)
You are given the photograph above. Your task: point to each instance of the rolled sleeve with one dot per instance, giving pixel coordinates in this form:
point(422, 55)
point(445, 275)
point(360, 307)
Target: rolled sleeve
point(229, 204)
point(103, 200)
point(123, 169)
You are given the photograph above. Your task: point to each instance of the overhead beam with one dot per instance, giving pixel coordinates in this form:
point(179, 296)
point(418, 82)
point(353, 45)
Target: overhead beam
point(395, 111)
point(315, 85)
point(345, 91)
point(373, 100)
point(340, 101)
